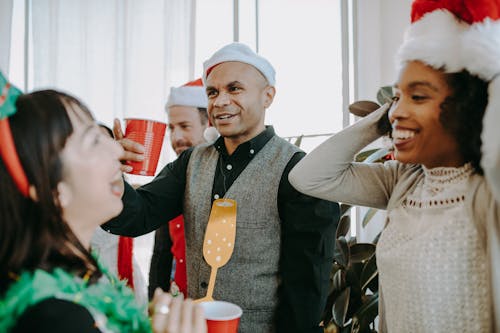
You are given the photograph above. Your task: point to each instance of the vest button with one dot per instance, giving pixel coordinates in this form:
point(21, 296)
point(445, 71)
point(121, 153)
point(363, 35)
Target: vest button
point(204, 285)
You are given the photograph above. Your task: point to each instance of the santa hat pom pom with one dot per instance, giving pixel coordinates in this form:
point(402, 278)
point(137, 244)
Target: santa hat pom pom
point(210, 134)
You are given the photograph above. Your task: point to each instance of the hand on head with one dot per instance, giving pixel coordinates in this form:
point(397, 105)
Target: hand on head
point(176, 315)
point(133, 151)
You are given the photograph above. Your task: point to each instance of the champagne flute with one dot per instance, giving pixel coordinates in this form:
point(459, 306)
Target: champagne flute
point(219, 239)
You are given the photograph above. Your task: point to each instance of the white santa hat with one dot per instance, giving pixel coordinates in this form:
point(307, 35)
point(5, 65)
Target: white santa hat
point(241, 53)
point(456, 35)
point(190, 94)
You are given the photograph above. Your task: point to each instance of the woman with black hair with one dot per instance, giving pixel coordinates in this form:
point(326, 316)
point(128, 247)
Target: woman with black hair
point(60, 179)
point(438, 256)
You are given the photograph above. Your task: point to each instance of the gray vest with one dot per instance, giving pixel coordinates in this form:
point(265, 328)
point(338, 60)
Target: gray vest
point(250, 278)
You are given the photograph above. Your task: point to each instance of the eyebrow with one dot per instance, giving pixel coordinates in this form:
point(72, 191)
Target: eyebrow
point(416, 84)
point(234, 83)
point(87, 130)
point(230, 84)
point(184, 122)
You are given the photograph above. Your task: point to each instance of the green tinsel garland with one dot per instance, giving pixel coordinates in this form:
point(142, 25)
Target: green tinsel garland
point(110, 301)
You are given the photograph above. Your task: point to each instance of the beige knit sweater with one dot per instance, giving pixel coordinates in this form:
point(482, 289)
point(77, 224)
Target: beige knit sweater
point(330, 173)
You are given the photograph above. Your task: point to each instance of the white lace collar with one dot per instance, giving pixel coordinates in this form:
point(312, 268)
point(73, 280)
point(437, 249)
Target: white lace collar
point(442, 186)
point(437, 177)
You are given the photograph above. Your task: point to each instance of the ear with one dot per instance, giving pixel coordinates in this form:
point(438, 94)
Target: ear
point(269, 96)
point(64, 194)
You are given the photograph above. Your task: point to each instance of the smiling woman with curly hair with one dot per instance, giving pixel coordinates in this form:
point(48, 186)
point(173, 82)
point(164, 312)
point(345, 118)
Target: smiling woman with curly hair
point(439, 252)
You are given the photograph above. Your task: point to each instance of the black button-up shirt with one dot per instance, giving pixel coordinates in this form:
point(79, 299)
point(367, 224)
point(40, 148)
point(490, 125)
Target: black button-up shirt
point(308, 227)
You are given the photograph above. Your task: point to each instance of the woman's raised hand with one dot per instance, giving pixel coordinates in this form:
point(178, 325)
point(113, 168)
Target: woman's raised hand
point(133, 151)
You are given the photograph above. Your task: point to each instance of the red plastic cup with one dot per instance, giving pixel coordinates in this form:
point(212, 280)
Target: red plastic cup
point(222, 317)
point(148, 133)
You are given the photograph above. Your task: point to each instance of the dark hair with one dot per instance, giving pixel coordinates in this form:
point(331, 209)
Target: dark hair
point(108, 130)
point(203, 115)
point(461, 114)
point(33, 233)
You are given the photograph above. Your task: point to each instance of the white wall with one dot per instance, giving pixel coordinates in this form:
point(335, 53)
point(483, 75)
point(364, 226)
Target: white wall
point(5, 20)
point(380, 30)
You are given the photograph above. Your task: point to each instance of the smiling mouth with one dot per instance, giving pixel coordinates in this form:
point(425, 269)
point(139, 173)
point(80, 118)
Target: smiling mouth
point(116, 187)
point(400, 136)
point(224, 116)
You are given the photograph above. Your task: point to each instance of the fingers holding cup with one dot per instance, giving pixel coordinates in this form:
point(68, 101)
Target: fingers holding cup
point(160, 311)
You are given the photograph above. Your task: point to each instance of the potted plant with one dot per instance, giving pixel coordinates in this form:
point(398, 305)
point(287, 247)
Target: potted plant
point(352, 303)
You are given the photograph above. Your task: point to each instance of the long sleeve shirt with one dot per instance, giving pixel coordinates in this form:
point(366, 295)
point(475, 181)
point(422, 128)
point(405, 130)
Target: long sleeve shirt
point(308, 227)
point(461, 209)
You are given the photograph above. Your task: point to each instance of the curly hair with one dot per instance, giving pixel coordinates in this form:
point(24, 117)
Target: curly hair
point(462, 114)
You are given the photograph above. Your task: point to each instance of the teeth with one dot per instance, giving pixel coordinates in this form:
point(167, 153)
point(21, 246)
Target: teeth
point(117, 179)
point(224, 117)
point(402, 134)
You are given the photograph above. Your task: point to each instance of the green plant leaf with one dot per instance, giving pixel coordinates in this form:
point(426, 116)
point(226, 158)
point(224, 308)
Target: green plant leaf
point(352, 241)
point(373, 285)
point(366, 314)
point(335, 269)
point(343, 226)
point(377, 156)
point(344, 208)
point(368, 216)
point(369, 272)
point(361, 252)
point(346, 329)
point(339, 309)
point(361, 156)
point(341, 254)
point(363, 108)
point(353, 273)
point(338, 281)
point(384, 95)
point(298, 142)
point(327, 312)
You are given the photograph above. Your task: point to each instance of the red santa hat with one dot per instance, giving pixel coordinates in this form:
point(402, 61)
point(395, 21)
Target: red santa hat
point(190, 94)
point(193, 94)
point(456, 35)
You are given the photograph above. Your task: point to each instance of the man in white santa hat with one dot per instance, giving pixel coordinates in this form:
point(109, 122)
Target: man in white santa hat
point(282, 256)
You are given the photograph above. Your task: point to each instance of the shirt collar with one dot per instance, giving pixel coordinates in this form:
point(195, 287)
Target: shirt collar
point(252, 146)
